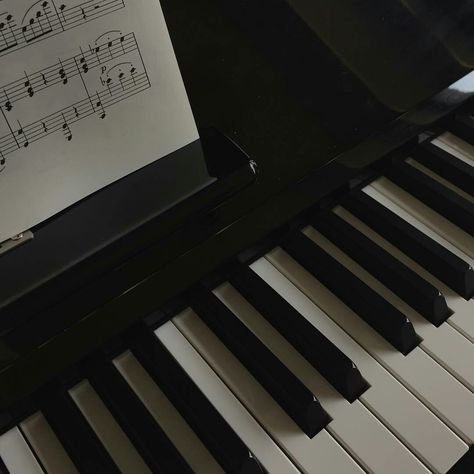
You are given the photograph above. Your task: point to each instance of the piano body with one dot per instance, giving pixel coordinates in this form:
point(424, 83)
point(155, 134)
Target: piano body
point(292, 293)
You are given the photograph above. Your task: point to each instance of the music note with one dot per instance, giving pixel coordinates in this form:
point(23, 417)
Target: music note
point(62, 7)
point(22, 134)
point(66, 130)
point(133, 71)
point(121, 76)
point(44, 19)
point(7, 34)
point(108, 83)
point(100, 106)
point(62, 73)
point(8, 104)
point(119, 81)
point(28, 86)
point(83, 63)
point(35, 27)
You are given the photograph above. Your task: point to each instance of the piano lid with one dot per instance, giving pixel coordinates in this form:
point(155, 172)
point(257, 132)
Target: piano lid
point(307, 80)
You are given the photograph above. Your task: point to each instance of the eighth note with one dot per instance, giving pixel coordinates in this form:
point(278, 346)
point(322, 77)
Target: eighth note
point(8, 37)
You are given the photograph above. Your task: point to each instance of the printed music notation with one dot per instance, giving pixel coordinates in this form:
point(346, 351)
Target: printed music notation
point(121, 74)
point(23, 135)
point(65, 70)
point(46, 18)
point(90, 91)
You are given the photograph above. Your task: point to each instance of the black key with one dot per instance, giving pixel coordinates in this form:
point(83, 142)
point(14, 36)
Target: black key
point(444, 164)
point(403, 281)
point(465, 465)
point(462, 125)
point(440, 198)
point(3, 468)
point(390, 323)
point(219, 438)
point(298, 402)
point(133, 417)
point(439, 261)
point(78, 438)
point(319, 351)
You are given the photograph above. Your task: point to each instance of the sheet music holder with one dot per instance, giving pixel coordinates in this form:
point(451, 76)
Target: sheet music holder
point(98, 141)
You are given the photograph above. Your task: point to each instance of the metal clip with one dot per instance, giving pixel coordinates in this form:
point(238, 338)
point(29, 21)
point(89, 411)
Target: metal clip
point(15, 242)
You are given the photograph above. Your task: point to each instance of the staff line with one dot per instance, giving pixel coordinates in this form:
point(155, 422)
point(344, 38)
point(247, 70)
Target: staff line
point(55, 121)
point(38, 81)
point(99, 9)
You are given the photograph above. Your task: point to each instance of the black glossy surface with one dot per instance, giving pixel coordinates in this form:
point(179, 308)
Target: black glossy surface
point(463, 126)
point(286, 389)
point(319, 351)
point(458, 172)
point(403, 281)
point(98, 221)
point(3, 468)
point(75, 434)
point(348, 80)
point(465, 465)
point(387, 320)
point(442, 263)
point(445, 201)
point(212, 429)
point(302, 81)
point(98, 233)
point(149, 439)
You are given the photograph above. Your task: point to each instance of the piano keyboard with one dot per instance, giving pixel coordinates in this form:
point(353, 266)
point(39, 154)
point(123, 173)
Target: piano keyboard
point(349, 348)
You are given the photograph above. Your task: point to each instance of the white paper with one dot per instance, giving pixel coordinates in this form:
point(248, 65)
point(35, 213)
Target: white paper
point(90, 91)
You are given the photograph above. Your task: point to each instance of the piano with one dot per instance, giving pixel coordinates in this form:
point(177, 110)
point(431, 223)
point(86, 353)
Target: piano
point(293, 293)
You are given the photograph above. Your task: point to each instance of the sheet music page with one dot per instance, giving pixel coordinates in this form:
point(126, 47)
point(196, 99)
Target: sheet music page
point(90, 91)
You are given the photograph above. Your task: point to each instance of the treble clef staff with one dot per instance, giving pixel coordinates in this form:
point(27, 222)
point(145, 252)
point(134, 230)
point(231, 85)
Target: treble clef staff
point(65, 70)
point(46, 18)
point(130, 84)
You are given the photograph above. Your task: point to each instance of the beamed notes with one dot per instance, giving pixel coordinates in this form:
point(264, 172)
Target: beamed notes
point(89, 91)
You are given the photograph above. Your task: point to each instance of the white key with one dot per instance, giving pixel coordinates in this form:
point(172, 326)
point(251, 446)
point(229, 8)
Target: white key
point(47, 446)
point(462, 318)
point(250, 432)
point(440, 391)
point(107, 429)
point(353, 425)
point(456, 146)
point(17, 455)
point(320, 454)
point(166, 415)
point(448, 347)
point(439, 179)
point(422, 217)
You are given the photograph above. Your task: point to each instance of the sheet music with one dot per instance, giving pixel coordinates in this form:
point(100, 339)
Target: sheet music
point(90, 91)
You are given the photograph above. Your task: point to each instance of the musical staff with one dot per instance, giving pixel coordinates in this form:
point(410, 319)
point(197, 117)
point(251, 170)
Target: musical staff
point(45, 19)
point(97, 96)
point(65, 70)
point(24, 135)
